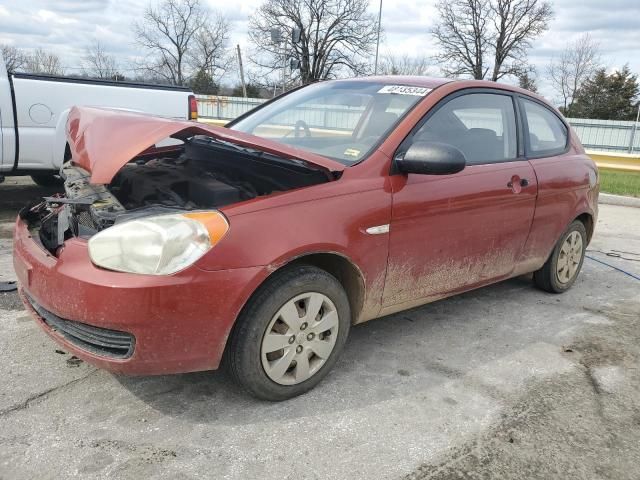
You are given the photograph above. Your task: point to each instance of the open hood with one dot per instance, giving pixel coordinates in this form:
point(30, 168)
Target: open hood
point(102, 141)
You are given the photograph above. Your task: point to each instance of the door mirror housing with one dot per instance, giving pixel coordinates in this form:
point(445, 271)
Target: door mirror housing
point(431, 158)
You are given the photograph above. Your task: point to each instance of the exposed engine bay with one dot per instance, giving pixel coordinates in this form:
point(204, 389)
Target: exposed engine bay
point(201, 174)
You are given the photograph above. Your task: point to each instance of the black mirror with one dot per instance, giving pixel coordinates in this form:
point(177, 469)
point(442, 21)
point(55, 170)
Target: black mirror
point(431, 158)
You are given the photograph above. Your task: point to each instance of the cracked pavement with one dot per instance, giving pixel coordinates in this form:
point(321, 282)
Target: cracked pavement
point(501, 382)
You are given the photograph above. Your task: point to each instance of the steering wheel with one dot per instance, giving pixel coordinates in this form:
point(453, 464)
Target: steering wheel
point(299, 127)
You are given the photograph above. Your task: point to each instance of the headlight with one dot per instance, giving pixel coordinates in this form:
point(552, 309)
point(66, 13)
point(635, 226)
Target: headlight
point(157, 245)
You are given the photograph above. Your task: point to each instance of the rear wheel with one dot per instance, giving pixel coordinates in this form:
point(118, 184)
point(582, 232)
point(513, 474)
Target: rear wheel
point(47, 179)
point(561, 269)
point(290, 334)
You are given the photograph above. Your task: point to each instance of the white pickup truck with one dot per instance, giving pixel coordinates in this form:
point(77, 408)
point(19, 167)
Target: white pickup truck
point(34, 109)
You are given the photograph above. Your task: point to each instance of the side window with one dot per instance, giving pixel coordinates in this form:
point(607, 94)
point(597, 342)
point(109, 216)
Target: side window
point(481, 125)
point(547, 134)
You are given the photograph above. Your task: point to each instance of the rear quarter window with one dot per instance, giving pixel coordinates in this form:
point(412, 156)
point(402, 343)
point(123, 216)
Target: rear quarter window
point(547, 135)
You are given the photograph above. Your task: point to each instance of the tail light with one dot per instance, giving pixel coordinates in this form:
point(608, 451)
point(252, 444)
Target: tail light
point(193, 108)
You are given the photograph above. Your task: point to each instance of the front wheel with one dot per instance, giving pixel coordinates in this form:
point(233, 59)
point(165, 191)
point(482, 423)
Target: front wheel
point(560, 271)
point(290, 334)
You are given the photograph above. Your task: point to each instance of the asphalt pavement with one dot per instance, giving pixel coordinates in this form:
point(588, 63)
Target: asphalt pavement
point(502, 382)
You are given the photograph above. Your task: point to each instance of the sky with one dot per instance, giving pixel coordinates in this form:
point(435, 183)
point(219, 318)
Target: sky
point(66, 27)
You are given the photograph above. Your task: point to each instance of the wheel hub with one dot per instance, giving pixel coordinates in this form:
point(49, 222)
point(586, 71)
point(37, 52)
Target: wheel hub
point(299, 338)
point(569, 258)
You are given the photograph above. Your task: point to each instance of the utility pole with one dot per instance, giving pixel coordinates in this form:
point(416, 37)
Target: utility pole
point(284, 67)
point(633, 132)
point(375, 68)
point(244, 86)
point(276, 40)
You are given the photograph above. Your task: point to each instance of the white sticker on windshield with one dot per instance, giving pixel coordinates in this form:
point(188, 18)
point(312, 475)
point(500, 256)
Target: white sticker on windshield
point(405, 90)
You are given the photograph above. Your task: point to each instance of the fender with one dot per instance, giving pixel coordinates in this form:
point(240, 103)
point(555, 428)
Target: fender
point(582, 207)
point(365, 298)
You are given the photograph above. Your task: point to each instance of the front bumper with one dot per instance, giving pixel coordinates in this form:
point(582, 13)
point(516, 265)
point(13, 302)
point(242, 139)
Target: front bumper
point(178, 323)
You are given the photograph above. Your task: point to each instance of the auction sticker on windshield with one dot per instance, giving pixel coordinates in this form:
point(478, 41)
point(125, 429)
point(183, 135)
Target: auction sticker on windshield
point(405, 90)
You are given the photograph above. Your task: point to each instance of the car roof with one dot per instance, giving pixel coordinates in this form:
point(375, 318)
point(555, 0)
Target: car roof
point(413, 80)
point(434, 82)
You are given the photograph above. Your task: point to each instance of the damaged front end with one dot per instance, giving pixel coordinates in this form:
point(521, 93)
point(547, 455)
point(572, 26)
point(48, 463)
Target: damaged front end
point(203, 173)
point(82, 211)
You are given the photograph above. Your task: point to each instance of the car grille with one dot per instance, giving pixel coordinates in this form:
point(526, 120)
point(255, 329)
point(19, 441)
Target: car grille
point(99, 341)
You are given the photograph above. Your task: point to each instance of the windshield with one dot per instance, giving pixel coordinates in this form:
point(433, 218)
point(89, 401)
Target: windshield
point(344, 121)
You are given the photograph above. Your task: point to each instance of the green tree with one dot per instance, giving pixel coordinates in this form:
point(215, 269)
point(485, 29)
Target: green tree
point(203, 84)
point(608, 97)
point(527, 80)
point(253, 91)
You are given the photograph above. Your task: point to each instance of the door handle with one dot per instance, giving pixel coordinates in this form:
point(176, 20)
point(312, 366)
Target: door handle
point(516, 183)
point(523, 183)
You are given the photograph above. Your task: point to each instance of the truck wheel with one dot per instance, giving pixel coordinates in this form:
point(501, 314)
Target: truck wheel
point(47, 179)
point(562, 268)
point(290, 334)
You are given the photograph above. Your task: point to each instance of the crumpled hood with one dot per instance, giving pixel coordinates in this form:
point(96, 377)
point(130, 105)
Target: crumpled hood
point(103, 140)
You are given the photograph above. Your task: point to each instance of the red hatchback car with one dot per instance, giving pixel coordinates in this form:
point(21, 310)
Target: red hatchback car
point(263, 242)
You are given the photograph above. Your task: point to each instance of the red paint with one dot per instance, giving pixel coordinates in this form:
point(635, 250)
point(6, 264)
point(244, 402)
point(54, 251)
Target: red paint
point(175, 330)
point(448, 234)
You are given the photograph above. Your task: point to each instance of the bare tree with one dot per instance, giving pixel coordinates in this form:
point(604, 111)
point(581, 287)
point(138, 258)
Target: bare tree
point(14, 58)
point(209, 52)
point(98, 63)
point(488, 38)
point(463, 35)
point(577, 63)
point(404, 65)
point(41, 61)
point(336, 37)
point(517, 23)
point(180, 38)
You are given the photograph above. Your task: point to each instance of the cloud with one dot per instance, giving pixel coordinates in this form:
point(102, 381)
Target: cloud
point(69, 26)
point(47, 16)
point(78, 6)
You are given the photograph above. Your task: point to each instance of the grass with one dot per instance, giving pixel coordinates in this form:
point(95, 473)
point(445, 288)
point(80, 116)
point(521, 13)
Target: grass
point(620, 183)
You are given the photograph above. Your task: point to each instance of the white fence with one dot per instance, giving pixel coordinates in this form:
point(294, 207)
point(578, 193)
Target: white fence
point(606, 135)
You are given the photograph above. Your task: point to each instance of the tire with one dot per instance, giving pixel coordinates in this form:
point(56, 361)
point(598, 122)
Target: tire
point(288, 295)
point(558, 280)
point(47, 179)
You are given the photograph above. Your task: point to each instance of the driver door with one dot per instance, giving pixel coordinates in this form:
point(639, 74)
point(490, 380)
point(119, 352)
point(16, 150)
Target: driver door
point(451, 233)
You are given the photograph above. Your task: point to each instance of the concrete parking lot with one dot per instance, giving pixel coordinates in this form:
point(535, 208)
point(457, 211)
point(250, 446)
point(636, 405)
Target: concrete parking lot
point(503, 382)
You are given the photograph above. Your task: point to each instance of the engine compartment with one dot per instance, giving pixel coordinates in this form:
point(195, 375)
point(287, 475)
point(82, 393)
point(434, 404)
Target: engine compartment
point(203, 173)
point(209, 174)
point(176, 183)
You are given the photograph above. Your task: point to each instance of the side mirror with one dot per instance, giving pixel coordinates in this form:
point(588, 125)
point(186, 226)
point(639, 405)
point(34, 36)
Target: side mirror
point(431, 158)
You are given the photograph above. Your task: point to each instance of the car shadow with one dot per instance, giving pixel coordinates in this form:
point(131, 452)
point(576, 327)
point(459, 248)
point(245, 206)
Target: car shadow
point(404, 354)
